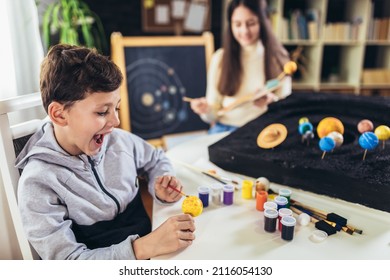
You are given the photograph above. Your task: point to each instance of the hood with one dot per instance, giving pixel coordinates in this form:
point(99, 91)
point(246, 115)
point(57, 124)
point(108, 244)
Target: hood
point(43, 146)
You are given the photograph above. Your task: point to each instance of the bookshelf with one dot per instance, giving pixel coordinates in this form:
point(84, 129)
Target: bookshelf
point(346, 43)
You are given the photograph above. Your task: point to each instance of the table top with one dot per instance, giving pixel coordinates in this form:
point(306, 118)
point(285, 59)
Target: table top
point(236, 232)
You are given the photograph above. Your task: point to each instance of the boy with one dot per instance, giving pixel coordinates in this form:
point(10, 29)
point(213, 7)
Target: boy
point(78, 192)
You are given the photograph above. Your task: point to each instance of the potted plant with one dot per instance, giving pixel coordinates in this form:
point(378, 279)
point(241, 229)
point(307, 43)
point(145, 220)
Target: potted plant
point(72, 22)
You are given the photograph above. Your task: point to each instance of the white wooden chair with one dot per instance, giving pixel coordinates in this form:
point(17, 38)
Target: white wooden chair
point(12, 140)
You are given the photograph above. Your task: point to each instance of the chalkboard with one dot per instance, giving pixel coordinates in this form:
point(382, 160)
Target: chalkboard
point(158, 73)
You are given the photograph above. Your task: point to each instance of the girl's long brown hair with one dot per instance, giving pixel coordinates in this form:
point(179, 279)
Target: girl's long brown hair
point(275, 54)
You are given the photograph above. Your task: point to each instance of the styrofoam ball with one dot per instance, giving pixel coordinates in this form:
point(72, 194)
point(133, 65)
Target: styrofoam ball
point(262, 183)
point(303, 219)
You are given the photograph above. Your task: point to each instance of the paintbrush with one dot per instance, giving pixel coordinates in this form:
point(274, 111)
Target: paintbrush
point(319, 224)
point(176, 190)
point(359, 231)
point(218, 178)
point(329, 216)
point(319, 216)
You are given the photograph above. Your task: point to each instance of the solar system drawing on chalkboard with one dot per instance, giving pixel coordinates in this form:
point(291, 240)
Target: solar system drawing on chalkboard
point(156, 98)
point(157, 80)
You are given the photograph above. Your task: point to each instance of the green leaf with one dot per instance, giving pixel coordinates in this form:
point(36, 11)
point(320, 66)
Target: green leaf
point(75, 23)
point(46, 25)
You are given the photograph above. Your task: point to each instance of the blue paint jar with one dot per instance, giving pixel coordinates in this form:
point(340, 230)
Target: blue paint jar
point(203, 193)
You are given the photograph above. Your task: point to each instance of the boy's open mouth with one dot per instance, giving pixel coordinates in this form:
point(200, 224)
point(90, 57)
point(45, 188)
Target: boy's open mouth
point(98, 138)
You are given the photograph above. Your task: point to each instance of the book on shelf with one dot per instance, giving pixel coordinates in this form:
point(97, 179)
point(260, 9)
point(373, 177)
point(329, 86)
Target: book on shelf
point(301, 25)
point(375, 76)
point(313, 23)
point(274, 18)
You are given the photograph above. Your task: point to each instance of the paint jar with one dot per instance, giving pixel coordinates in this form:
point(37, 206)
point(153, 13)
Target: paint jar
point(282, 213)
point(216, 194)
point(287, 194)
point(203, 193)
point(261, 198)
point(228, 191)
point(270, 205)
point(270, 217)
point(247, 188)
point(288, 227)
point(281, 201)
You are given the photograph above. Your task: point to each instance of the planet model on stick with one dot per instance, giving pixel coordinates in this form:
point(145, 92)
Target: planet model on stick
point(328, 125)
point(365, 126)
point(326, 144)
point(337, 137)
point(368, 141)
point(383, 134)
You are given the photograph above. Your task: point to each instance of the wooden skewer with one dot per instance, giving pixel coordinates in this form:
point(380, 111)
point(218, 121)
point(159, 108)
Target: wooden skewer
point(255, 96)
point(187, 99)
point(246, 98)
point(365, 153)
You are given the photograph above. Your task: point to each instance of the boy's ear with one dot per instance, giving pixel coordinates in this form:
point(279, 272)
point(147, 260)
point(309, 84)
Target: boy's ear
point(57, 113)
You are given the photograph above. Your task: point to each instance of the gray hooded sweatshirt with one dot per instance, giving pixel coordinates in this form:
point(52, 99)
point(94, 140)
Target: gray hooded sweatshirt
point(80, 207)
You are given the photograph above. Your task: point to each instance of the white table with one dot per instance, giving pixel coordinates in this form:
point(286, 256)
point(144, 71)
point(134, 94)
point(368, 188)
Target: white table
point(236, 232)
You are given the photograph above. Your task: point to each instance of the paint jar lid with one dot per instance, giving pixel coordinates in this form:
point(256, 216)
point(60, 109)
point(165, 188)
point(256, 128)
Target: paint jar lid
point(247, 183)
point(203, 190)
point(288, 221)
point(270, 205)
point(318, 236)
point(216, 187)
point(285, 212)
point(228, 188)
point(285, 192)
point(281, 200)
point(271, 213)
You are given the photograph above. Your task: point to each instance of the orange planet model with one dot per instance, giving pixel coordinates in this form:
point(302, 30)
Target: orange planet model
point(329, 124)
point(192, 205)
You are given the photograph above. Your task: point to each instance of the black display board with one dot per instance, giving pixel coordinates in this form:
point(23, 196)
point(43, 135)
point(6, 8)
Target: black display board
point(159, 72)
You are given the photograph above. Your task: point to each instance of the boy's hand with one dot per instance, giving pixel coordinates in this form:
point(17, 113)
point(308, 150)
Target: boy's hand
point(175, 233)
point(163, 192)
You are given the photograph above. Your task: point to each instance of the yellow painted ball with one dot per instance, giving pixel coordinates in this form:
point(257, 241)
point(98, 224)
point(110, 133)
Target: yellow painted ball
point(382, 132)
point(290, 67)
point(192, 205)
point(329, 124)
